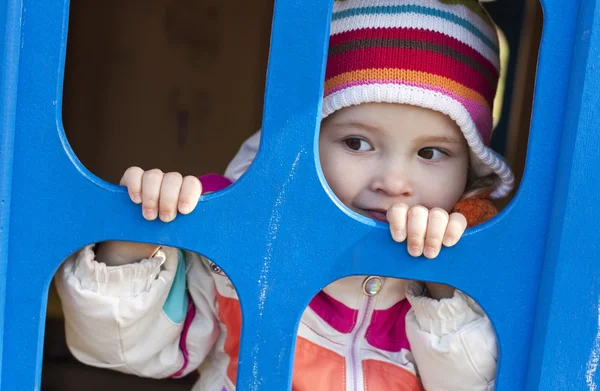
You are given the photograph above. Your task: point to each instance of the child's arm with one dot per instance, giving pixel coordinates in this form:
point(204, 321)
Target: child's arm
point(131, 312)
point(452, 341)
point(139, 318)
point(160, 195)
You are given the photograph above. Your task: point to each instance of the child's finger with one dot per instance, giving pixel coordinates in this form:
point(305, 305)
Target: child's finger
point(151, 183)
point(436, 228)
point(169, 196)
point(189, 195)
point(396, 216)
point(456, 227)
point(416, 229)
point(132, 179)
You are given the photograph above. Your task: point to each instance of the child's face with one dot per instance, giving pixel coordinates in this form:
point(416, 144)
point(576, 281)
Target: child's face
point(378, 154)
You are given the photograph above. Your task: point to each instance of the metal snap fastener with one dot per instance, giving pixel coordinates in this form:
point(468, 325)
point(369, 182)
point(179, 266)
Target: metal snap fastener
point(372, 285)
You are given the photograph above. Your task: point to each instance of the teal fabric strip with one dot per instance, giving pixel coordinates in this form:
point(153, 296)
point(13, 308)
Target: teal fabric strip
point(177, 302)
point(416, 9)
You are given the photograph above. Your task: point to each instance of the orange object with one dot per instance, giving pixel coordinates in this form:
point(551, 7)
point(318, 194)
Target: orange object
point(476, 210)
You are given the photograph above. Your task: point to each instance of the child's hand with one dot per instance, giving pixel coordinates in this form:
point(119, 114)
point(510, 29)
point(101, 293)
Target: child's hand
point(426, 230)
point(161, 194)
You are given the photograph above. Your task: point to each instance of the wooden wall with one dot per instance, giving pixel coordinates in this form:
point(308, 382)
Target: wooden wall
point(173, 84)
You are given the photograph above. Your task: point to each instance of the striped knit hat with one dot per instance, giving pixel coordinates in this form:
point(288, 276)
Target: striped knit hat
point(437, 54)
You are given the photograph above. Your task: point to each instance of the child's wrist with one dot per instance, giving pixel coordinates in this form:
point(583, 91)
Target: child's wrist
point(115, 253)
point(438, 291)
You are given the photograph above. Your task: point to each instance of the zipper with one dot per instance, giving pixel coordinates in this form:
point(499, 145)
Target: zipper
point(358, 334)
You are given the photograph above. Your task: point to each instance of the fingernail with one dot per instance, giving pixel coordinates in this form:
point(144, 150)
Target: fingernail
point(149, 214)
point(415, 251)
point(430, 252)
point(137, 198)
point(399, 236)
point(448, 242)
point(165, 216)
point(184, 208)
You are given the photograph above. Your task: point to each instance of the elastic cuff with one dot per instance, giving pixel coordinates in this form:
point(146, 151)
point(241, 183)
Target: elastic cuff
point(441, 317)
point(117, 281)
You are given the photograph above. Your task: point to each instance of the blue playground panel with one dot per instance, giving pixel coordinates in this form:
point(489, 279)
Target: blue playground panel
point(279, 233)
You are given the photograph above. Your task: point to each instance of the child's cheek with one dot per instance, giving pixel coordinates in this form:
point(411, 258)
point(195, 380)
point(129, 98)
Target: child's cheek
point(443, 193)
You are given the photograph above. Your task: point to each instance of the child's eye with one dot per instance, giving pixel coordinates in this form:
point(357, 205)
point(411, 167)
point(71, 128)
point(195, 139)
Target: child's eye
point(357, 144)
point(431, 153)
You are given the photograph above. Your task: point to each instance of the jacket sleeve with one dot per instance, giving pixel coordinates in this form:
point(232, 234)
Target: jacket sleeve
point(137, 318)
point(452, 341)
point(244, 158)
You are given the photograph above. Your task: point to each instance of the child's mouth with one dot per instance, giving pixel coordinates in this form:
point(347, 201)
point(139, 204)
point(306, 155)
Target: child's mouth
point(378, 215)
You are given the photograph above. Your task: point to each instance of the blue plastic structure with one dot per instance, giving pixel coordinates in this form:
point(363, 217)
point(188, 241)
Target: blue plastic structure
point(279, 233)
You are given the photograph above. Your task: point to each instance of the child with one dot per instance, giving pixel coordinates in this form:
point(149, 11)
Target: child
point(407, 115)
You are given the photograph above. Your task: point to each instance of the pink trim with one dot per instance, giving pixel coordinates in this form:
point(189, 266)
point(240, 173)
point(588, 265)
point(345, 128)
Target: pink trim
point(335, 313)
point(387, 330)
point(213, 182)
point(191, 313)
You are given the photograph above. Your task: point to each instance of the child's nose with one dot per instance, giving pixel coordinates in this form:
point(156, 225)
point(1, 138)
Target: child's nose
point(394, 183)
